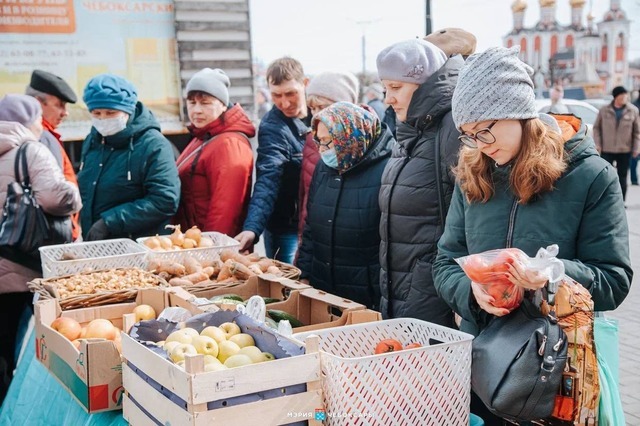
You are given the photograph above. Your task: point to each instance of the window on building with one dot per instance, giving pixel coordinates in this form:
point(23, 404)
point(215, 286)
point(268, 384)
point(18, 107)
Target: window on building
point(604, 53)
point(569, 41)
point(536, 44)
point(620, 48)
point(509, 42)
point(554, 45)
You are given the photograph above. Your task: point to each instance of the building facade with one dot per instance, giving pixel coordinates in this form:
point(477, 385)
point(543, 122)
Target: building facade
point(584, 54)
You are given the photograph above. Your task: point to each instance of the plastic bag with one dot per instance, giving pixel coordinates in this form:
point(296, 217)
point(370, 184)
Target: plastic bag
point(490, 269)
point(606, 335)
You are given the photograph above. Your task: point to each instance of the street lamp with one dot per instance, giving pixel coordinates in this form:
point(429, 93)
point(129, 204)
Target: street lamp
point(428, 16)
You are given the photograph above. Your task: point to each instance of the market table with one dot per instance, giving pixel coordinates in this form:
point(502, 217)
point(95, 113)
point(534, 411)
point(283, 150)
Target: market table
point(36, 398)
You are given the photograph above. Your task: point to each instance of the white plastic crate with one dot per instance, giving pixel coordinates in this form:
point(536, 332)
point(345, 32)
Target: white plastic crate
point(220, 242)
point(91, 256)
point(429, 385)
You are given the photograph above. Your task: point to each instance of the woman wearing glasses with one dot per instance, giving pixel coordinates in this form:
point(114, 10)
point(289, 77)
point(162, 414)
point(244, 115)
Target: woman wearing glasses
point(520, 184)
point(340, 243)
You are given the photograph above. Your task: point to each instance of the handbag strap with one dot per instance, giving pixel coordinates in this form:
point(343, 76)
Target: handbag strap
point(21, 161)
point(551, 344)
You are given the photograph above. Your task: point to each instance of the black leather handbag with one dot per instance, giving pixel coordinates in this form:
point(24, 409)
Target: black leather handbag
point(518, 360)
point(24, 226)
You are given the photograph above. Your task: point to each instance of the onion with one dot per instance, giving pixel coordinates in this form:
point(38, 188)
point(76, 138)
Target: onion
point(177, 238)
point(153, 243)
point(189, 243)
point(205, 242)
point(193, 233)
point(165, 242)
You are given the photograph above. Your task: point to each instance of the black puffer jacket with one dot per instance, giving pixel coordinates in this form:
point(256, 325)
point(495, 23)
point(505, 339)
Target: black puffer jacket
point(340, 244)
point(412, 214)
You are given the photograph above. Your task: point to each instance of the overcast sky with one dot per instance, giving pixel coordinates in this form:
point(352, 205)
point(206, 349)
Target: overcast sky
point(327, 34)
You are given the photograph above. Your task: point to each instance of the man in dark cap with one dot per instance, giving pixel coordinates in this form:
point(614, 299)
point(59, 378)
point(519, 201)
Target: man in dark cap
point(617, 133)
point(54, 93)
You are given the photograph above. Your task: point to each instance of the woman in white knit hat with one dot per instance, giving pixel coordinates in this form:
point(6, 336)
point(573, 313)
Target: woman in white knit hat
point(216, 167)
point(521, 184)
point(417, 184)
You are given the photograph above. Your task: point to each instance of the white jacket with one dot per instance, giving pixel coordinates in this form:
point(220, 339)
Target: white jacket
point(54, 194)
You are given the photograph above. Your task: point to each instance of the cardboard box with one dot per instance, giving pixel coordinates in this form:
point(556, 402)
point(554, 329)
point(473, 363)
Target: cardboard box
point(318, 310)
point(265, 285)
point(93, 373)
point(157, 391)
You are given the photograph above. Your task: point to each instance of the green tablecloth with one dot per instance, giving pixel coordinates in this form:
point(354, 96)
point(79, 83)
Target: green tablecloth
point(36, 398)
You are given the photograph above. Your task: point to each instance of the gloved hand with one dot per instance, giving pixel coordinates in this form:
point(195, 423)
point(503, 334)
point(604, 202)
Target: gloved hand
point(98, 231)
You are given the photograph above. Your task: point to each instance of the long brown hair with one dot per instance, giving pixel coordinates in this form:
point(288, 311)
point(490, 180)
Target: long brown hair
point(535, 169)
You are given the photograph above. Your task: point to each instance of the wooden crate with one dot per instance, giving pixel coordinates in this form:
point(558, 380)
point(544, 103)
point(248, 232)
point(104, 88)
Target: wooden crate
point(92, 373)
point(318, 310)
point(170, 394)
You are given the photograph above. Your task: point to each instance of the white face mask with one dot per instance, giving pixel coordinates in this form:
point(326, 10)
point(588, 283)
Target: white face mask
point(110, 126)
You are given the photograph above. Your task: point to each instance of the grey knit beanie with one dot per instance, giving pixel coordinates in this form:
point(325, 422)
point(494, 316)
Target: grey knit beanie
point(335, 86)
point(411, 61)
point(494, 85)
point(215, 82)
point(21, 109)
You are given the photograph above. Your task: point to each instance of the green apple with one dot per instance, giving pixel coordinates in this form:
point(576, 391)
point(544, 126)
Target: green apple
point(205, 345)
point(242, 340)
point(181, 336)
point(252, 352)
point(230, 329)
point(190, 331)
point(268, 356)
point(212, 366)
point(237, 360)
point(215, 333)
point(226, 349)
point(168, 346)
point(183, 349)
point(208, 359)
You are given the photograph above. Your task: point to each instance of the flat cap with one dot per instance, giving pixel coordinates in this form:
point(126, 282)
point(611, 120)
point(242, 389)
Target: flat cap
point(51, 84)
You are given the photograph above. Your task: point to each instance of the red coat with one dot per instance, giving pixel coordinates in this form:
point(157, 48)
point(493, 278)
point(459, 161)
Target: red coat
point(310, 157)
point(216, 196)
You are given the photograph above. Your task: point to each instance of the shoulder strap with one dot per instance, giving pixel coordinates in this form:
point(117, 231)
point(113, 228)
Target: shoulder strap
point(198, 152)
point(20, 162)
point(439, 184)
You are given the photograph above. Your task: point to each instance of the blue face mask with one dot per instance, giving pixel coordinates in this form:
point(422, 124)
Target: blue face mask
point(329, 158)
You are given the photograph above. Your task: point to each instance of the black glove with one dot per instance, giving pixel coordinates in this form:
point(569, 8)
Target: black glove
point(98, 231)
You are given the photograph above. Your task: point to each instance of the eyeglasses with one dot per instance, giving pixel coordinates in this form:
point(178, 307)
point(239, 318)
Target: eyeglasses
point(482, 135)
point(321, 144)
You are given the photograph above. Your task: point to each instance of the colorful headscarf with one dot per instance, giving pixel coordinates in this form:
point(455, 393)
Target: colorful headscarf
point(352, 128)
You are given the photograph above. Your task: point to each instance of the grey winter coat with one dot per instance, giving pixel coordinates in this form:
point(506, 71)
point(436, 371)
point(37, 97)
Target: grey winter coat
point(414, 198)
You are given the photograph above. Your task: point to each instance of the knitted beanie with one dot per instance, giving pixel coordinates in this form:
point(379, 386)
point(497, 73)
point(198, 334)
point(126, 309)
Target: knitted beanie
point(21, 109)
point(215, 82)
point(411, 61)
point(493, 85)
point(335, 86)
point(110, 91)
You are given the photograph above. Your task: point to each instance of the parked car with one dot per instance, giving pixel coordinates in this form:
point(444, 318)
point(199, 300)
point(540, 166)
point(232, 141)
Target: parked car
point(588, 113)
point(598, 103)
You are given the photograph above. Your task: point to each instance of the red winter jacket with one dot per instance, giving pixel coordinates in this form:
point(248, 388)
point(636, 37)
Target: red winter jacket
point(310, 157)
point(215, 197)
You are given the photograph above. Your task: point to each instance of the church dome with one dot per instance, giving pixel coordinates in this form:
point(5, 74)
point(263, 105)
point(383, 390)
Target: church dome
point(577, 3)
point(518, 6)
point(547, 3)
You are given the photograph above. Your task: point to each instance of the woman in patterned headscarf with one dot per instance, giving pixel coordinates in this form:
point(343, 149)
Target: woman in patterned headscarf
point(341, 242)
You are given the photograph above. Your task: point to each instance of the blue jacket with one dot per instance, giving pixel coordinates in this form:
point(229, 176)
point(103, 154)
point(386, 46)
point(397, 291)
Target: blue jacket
point(274, 203)
point(341, 243)
point(129, 179)
point(584, 214)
